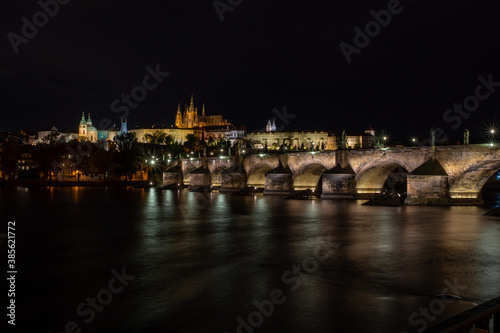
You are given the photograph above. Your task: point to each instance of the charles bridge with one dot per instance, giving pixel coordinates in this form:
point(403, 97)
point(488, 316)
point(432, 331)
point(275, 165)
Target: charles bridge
point(442, 175)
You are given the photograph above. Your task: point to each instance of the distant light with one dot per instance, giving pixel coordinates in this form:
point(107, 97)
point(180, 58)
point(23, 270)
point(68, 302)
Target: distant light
point(492, 131)
point(414, 140)
point(385, 138)
point(152, 162)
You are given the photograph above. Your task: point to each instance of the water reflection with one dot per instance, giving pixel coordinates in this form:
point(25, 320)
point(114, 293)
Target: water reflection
point(201, 260)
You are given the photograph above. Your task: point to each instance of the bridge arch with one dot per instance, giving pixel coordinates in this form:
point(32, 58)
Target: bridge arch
point(470, 183)
point(308, 176)
point(257, 175)
point(373, 175)
point(217, 175)
point(187, 171)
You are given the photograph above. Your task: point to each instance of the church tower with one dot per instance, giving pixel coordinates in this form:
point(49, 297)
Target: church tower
point(269, 127)
point(82, 129)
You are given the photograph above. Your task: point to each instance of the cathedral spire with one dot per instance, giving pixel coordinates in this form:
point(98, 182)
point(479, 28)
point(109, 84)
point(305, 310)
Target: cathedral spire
point(203, 111)
point(178, 116)
point(192, 102)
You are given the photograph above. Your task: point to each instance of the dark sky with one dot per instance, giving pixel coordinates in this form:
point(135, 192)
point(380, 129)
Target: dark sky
point(264, 55)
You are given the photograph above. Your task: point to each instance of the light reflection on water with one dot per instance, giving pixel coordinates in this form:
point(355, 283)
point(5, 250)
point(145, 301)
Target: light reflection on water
point(201, 260)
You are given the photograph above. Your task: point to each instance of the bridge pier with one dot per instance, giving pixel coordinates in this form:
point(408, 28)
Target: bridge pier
point(428, 185)
point(233, 179)
point(339, 183)
point(279, 181)
point(199, 178)
point(173, 176)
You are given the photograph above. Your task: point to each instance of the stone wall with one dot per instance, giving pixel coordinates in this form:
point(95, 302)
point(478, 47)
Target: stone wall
point(427, 190)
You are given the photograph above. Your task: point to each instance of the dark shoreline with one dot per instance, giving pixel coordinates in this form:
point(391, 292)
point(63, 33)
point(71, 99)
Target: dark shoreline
point(56, 183)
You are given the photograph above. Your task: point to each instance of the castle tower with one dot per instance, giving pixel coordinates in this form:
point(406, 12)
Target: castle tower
point(203, 111)
point(123, 128)
point(178, 116)
point(273, 127)
point(191, 106)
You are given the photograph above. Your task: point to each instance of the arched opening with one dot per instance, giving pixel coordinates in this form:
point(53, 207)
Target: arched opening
point(257, 176)
point(217, 177)
point(491, 190)
point(187, 173)
point(397, 181)
point(377, 178)
point(309, 177)
point(477, 181)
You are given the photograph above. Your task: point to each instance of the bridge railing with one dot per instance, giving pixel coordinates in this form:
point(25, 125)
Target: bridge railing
point(475, 320)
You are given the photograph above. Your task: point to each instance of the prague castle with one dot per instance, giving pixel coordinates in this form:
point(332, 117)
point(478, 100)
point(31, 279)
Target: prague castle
point(191, 119)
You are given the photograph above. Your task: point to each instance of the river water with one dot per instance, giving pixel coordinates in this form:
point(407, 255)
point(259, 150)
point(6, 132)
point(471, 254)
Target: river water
point(191, 262)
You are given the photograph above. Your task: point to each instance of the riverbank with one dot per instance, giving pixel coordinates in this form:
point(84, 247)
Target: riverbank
point(93, 183)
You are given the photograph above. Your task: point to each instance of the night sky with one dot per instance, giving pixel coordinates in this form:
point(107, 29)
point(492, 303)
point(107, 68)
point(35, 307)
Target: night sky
point(263, 55)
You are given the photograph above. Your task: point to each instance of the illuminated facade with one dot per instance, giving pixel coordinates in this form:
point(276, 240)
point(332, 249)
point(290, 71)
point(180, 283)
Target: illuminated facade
point(88, 132)
point(191, 119)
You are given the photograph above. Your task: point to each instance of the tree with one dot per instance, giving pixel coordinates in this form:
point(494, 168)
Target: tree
point(9, 155)
point(157, 138)
point(169, 140)
point(191, 141)
point(49, 154)
point(100, 160)
point(129, 155)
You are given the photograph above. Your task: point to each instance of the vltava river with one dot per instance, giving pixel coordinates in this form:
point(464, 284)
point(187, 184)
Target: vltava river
point(187, 262)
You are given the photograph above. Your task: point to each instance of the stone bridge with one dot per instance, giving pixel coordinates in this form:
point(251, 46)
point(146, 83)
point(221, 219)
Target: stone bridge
point(450, 175)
